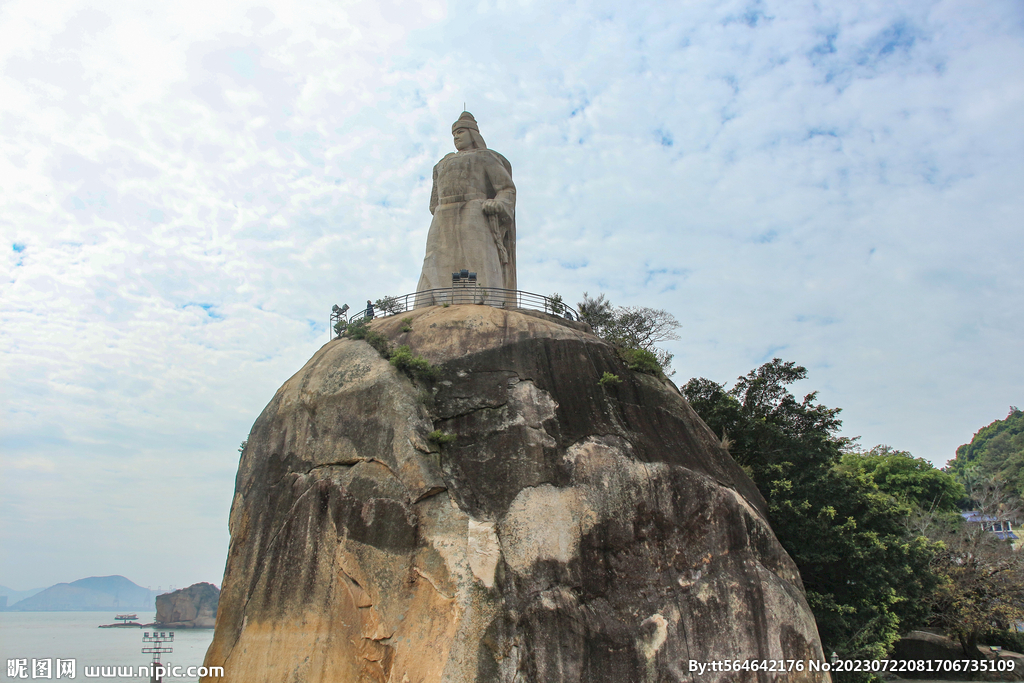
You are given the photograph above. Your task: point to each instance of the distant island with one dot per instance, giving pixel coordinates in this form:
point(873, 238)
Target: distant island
point(94, 594)
point(9, 596)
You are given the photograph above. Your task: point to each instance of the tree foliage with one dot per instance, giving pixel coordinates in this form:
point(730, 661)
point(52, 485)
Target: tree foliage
point(865, 575)
point(631, 327)
point(982, 577)
point(389, 305)
point(914, 482)
point(995, 453)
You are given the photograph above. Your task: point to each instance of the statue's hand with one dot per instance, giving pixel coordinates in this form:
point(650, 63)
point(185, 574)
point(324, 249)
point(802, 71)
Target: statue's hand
point(493, 208)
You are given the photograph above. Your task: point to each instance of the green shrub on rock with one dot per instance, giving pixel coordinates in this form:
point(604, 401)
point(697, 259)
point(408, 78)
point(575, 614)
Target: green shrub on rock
point(415, 366)
point(360, 330)
point(640, 360)
point(440, 438)
point(609, 379)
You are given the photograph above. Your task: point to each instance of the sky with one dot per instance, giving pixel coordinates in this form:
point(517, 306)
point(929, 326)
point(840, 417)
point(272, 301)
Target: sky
point(187, 188)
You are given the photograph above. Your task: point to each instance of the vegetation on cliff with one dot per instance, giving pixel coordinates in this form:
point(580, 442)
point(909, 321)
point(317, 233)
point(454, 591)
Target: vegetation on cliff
point(413, 365)
point(634, 330)
point(995, 453)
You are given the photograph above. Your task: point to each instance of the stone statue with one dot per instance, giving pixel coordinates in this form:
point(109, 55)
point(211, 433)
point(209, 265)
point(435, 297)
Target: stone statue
point(474, 226)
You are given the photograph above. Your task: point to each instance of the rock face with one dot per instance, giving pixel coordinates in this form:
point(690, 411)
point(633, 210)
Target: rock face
point(570, 532)
point(192, 607)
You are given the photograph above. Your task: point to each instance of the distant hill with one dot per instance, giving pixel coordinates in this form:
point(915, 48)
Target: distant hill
point(95, 594)
point(14, 596)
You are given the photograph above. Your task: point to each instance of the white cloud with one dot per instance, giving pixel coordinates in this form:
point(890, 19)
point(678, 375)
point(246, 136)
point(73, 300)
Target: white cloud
point(189, 188)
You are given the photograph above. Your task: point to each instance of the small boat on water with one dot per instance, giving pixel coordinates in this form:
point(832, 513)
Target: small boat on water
point(124, 621)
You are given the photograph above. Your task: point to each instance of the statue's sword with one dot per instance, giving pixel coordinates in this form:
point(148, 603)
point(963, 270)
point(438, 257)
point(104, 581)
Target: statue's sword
point(495, 224)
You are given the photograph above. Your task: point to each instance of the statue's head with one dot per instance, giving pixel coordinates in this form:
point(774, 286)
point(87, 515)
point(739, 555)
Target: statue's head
point(467, 133)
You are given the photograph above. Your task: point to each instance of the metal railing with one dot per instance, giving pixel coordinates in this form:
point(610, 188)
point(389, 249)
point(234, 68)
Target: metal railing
point(456, 295)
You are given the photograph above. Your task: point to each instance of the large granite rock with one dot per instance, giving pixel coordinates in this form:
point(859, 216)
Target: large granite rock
point(192, 607)
point(571, 532)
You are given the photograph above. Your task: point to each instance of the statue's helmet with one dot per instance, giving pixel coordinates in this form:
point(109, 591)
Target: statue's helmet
point(467, 121)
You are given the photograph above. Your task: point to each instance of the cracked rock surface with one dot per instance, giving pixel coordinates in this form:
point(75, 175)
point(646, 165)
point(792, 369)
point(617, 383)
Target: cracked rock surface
point(570, 532)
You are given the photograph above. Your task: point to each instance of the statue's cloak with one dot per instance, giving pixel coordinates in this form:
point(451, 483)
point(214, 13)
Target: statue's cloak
point(461, 236)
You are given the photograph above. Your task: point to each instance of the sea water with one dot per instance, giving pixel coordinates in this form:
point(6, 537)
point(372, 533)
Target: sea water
point(74, 635)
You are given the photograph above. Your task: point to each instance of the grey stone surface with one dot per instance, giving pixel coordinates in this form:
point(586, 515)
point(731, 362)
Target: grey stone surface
point(192, 607)
point(571, 532)
point(473, 202)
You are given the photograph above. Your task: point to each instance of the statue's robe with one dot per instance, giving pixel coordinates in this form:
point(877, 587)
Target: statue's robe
point(461, 237)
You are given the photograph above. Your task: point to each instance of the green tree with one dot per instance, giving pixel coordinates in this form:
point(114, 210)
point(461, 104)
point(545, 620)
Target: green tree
point(914, 482)
point(995, 453)
point(389, 305)
point(866, 577)
point(631, 327)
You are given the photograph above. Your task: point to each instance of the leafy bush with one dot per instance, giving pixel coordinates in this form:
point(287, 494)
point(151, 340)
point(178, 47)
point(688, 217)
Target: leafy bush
point(406, 324)
point(415, 366)
point(609, 379)
point(357, 329)
point(440, 438)
point(640, 360)
point(389, 305)
point(554, 304)
point(360, 330)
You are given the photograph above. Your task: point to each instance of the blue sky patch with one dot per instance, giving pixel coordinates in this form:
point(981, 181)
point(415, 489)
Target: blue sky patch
point(772, 352)
point(209, 309)
point(826, 47)
point(573, 265)
point(899, 37)
point(816, 319)
point(654, 273)
point(819, 132)
point(243, 62)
